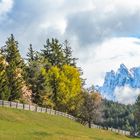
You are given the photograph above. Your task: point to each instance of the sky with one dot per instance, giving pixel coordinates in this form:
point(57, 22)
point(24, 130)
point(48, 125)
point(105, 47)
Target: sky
point(102, 33)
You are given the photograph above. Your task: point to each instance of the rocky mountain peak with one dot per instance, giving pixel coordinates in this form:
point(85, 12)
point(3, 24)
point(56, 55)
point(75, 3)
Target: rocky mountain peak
point(122, 77)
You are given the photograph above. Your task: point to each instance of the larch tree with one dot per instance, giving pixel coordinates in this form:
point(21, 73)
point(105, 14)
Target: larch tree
point(70, 86)
point(66, 87)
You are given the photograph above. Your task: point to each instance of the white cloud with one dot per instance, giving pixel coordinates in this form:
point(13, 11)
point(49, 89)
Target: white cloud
point(109, 55)
point(126, 95)
point(5, 6)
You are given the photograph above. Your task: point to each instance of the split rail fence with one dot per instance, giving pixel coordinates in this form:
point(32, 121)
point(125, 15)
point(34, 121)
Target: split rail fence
point(53, 112)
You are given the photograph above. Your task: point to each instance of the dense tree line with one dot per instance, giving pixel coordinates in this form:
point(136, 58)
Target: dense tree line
point(51, 78)
point(119, 116)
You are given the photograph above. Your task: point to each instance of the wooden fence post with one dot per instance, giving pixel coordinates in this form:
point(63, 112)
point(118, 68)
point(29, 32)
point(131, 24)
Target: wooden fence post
point(36, 108)
point(16, 104)
point(2, 102)
point(29, 107)
point(23, 106)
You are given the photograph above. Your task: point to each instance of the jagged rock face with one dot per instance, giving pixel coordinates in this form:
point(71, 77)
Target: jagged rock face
point(123, 77)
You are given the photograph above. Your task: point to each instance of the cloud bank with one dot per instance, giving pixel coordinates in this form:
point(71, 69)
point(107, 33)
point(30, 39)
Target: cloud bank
point(126, 95)
point(5, 7)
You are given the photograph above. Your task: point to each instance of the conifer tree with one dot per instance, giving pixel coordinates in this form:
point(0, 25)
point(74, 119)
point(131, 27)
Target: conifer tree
point(53, 52)
point(43, 91)
point(36, 77)
point(17, 85)
point(69, 60)
point(31, 55)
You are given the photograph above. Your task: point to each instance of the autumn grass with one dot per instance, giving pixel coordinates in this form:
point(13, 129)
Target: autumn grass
point(25, 125)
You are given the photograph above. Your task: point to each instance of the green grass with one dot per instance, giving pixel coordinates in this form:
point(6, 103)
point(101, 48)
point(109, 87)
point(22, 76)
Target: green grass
point(25, 125)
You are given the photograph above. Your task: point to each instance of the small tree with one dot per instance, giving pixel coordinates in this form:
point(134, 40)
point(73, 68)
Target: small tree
point(90, 110)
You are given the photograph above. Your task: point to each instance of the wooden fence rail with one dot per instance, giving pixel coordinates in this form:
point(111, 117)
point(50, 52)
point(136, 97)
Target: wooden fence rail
point(53, 112)
point(122, 132)
point(35, 109)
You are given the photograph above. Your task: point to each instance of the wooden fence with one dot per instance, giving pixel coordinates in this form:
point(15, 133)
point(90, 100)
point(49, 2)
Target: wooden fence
point(35, 109)
point(54, 112)
point(122, 132)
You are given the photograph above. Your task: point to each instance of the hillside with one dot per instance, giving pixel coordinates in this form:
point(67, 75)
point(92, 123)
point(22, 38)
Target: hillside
point(25, 125)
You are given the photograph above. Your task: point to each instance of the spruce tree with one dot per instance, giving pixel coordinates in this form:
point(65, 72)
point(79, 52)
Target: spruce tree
point(14, 69)
point(53, 52)
point(31, 55)
point(69, 60)
point(36, 68)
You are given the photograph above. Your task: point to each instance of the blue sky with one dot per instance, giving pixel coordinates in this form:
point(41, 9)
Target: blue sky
point(103, 34)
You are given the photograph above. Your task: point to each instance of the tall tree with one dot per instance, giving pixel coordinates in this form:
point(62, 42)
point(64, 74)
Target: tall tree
point(14, 70)
point(36, 78)
point(53, 52)
point(66, 87)
point(53, 76)
point(69, 60)
point(31, 55)
point(70, 86)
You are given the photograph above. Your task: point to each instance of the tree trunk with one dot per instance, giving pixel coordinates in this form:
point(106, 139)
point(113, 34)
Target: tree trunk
point(89, 124)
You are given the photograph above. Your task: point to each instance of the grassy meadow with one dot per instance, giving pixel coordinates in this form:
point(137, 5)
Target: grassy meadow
point(26, 125)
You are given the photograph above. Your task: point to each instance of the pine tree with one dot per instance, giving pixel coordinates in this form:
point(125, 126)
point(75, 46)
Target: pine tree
point(15, 70)
point(43, 91)
point(69, 60)
point(32, 55)
point(53, 52)
point(36, 77)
